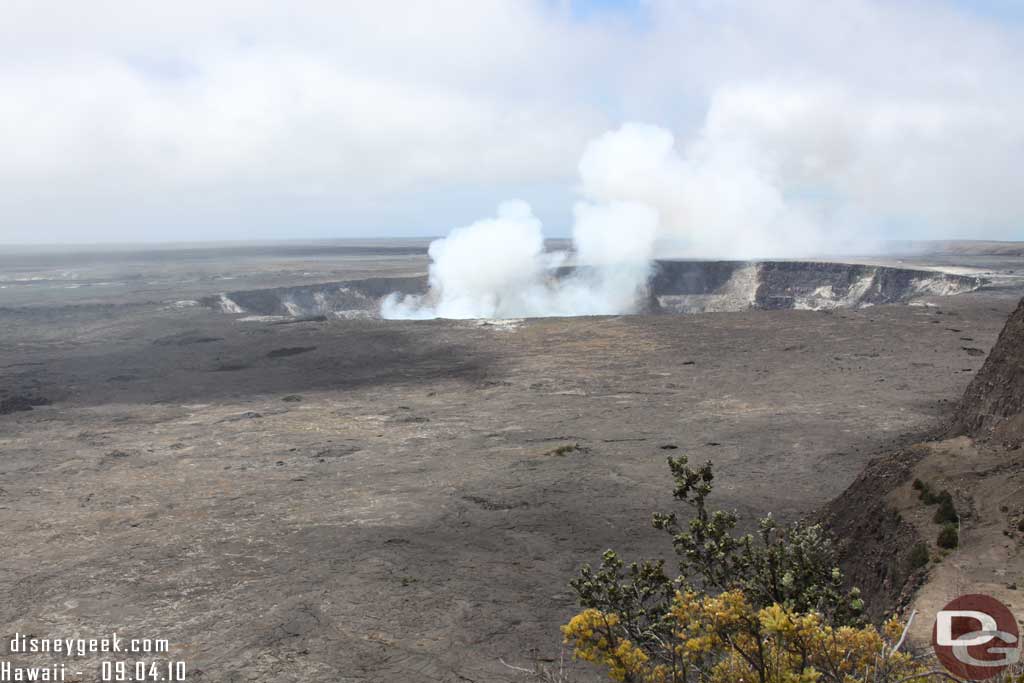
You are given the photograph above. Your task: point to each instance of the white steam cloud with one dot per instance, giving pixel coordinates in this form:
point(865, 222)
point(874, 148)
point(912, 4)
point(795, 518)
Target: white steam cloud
point(718, 199)
point(723, 197)
point(498, 268)
point(776, 170)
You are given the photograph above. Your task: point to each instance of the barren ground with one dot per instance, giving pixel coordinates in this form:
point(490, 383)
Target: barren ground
point(377, 501)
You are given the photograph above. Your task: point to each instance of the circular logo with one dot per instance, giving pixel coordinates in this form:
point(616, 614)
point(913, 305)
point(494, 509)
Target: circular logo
point(976, 637)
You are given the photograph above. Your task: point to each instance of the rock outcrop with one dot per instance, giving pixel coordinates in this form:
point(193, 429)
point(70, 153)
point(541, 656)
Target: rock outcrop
point(876, 538)
point(992, 407)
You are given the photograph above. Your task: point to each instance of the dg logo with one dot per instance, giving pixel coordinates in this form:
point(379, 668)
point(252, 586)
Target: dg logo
point(976, 637)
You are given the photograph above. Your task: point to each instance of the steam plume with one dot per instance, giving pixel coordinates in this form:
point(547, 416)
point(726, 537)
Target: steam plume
point(772, 173)
point(497, 267)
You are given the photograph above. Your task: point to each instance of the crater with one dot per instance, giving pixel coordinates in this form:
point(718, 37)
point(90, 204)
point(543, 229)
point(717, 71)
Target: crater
point(724, 286)
point(675, 287)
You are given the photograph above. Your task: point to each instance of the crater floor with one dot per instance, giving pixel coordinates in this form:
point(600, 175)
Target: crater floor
point(367, 500)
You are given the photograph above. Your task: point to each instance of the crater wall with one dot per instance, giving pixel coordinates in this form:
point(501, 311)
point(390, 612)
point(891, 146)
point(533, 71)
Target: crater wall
point(675, 287)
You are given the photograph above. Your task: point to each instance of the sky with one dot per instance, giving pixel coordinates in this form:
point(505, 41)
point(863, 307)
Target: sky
point(257, 119)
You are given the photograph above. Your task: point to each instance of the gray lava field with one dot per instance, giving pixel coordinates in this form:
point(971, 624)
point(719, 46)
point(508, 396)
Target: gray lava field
point(228, 448)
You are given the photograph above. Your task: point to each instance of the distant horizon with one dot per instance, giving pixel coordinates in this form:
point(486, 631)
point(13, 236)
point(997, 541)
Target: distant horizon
point(412, 242)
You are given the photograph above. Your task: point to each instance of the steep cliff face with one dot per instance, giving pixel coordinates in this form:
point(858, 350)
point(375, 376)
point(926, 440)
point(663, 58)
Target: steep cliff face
point(879, 519)
point(351, 299)
point(874, 540)
point(705, 286)
point(675, 287)
point(992, 407)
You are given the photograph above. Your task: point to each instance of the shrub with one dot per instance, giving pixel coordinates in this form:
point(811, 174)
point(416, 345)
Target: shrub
point(946, 513)
point(565, 449)
point(919, 556)
point(724, 638)
point(925, 493)
point(949, 537)
point(928, 496)
point(1020, 525)
point(764, 608)
point(792, 568)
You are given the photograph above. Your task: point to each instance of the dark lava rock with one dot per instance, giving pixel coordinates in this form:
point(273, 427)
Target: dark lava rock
point(18, 403)
point(337, 451)
point(290, 351)
point(291, 398)
point(494, 505)
point(231, 367)
point(185, 339)
point(410, 419)
point(247, 415)
point(307, 319)
point(994, 400)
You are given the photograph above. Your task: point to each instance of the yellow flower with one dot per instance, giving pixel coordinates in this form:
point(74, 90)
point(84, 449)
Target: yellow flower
point(720, 639)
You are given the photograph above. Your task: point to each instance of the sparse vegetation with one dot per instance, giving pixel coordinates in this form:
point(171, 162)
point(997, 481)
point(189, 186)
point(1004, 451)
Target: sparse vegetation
point(919, 555)
point(926, 494)
point(949, 537)
point(738, 608)
point(764, 608)
point(566, 449)
point(946, 513)
point(794, 566)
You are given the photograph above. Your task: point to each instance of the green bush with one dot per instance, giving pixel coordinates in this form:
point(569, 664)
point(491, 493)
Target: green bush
point(919, 556)
point(926, 494)
point(793, 566)
point(949, 537)
point(946, 514)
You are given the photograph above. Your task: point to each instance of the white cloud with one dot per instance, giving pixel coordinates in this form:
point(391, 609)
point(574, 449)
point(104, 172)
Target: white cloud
point(231, 119)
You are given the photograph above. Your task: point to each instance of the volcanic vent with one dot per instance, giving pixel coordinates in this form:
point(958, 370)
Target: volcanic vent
point(674, 287)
